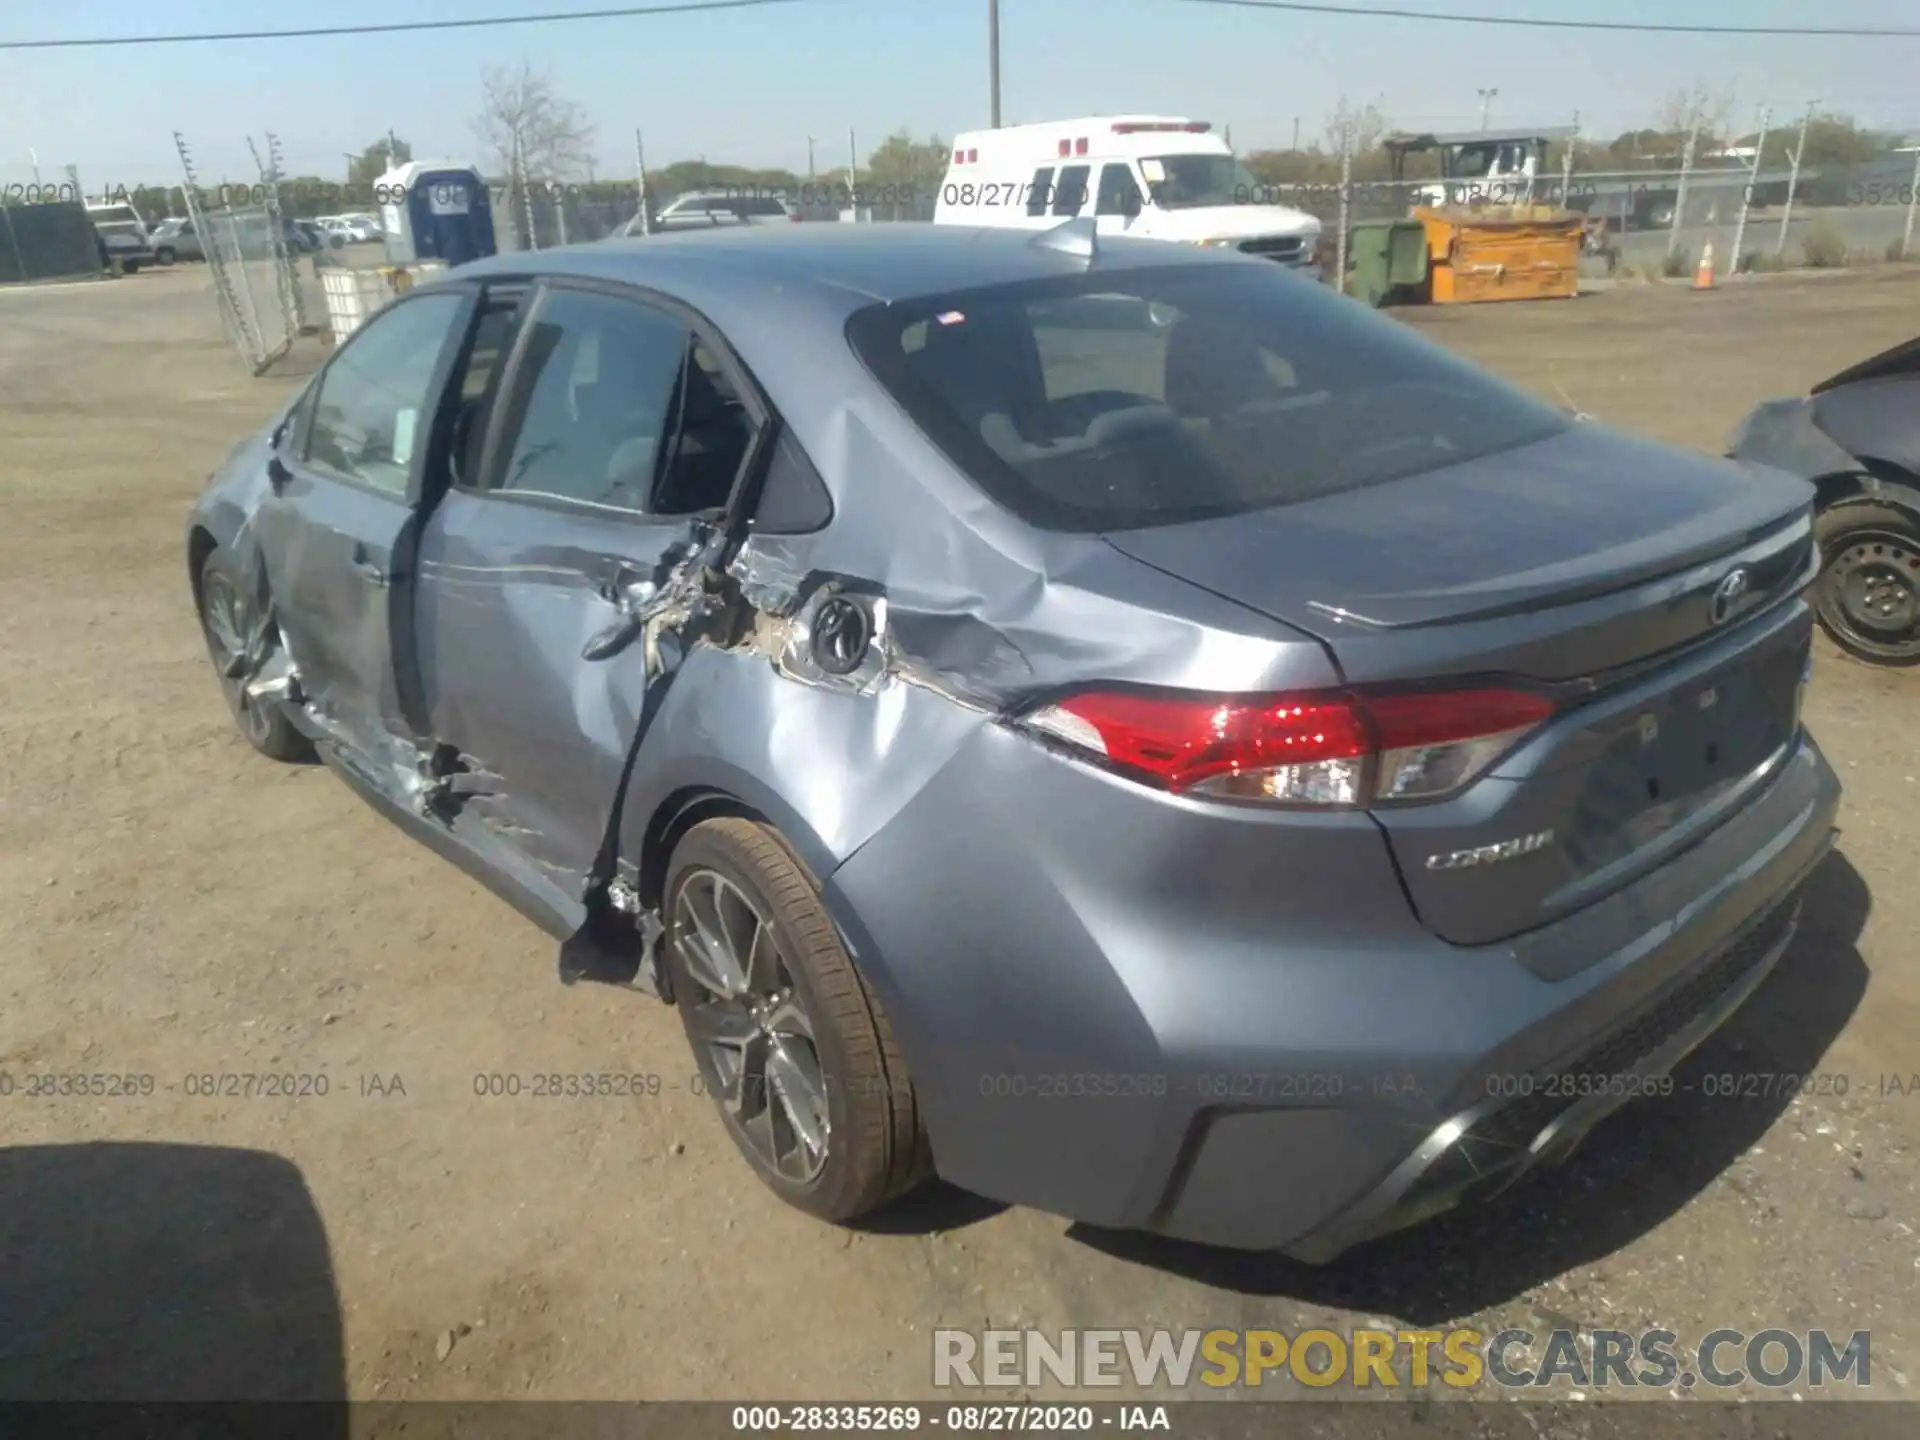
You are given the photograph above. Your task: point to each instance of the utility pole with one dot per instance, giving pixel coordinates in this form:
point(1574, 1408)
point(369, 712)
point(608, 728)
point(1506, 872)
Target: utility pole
point(640, 169)
point(1686, 174)
point(1753, 181)
point(1486, 104)
point(1566, 164)
point(1296, 134)
point(1793, 176)
point(993, 64)
point(810, 145)
point(34, 156)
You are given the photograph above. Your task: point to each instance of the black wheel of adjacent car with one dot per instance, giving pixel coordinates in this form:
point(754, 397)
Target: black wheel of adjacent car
point(228, 621)
point(1868, 596)
point(790, 1042)
point(165, 255)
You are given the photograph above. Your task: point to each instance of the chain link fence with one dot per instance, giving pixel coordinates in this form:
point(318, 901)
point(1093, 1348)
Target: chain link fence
point(249, 260)
point(253, 281)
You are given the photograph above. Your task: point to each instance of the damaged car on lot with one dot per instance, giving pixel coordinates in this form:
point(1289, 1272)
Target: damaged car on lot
point(1856, 436)
point(1115, 725)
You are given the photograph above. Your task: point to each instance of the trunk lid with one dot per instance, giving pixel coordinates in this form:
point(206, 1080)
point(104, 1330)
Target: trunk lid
point(1592, 563)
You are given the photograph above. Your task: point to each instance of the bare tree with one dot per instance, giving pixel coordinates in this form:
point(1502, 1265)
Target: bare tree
point(1364, 123)
point(528, 126)
point(1700, 105)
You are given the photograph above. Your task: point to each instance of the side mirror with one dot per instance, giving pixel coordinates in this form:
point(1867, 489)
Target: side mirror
point(277, 474)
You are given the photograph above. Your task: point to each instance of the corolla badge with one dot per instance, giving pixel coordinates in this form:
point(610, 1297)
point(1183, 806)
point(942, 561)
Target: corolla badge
point(1490, 854)
point(1728, 594)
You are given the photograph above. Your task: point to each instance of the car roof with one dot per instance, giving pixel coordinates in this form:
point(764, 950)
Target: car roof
point(735, 275)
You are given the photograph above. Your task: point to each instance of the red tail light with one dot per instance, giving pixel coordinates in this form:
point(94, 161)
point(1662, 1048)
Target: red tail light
point(1327, 748)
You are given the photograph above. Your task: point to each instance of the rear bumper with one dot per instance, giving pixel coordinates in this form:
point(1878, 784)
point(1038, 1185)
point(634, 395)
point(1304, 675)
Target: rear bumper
point(1481, 1151)
point(1244, 1039)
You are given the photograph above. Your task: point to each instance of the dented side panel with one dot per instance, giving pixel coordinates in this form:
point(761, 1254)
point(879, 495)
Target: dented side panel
point(535, 668)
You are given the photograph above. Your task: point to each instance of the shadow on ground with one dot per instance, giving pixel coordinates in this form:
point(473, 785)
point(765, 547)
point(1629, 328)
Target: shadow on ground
point(1634, 1171)
point(165, 1273)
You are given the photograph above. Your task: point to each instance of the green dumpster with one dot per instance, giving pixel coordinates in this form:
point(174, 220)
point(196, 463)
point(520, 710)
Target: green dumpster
point(1386, 258)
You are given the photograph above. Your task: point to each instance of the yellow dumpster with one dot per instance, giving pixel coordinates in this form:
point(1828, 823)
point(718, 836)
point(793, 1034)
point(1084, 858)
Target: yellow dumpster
point(1502, 252)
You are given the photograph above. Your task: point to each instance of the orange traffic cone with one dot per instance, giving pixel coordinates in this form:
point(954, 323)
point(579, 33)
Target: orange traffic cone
point(1703, 277)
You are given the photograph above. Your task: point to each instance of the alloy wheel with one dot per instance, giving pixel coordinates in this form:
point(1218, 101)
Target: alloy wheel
point(231, 640)
point(752, 1035)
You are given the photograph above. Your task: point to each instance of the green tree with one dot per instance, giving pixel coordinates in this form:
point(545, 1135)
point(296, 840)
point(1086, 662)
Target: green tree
point(1832, 141)
point(904, 172)
point(374, 161)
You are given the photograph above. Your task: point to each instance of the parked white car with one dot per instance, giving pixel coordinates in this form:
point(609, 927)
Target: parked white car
point(354, 229)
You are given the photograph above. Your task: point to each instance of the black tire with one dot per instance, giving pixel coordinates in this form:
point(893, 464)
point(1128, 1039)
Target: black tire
point(875, 1149)
point(165, 255)
point(1661, 216)
point(265, 727)
point(1868, 593)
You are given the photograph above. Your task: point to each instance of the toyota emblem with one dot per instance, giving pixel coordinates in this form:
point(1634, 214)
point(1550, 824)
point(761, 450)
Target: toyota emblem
point(1728, 594)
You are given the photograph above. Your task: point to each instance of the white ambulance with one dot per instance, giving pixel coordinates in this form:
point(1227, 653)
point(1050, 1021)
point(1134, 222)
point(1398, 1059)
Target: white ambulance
point(1159, 177)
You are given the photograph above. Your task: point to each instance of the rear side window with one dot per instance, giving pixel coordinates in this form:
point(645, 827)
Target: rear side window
point(1071, 193)
point(1041, 195)
point(1154, 396)
point(593, 402)
point(761, 205)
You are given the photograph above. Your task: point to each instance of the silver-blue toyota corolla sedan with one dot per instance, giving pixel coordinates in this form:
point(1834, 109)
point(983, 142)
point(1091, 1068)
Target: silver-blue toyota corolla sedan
point(1113, 724)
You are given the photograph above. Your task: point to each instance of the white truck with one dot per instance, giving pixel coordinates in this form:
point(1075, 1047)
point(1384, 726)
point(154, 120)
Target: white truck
point(1157, 177)
point(123, 234)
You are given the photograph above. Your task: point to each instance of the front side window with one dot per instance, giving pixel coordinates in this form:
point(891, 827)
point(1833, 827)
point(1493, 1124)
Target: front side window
point(374, 403)
point(1154, 396)
point(594, 400)
point(1194, 182)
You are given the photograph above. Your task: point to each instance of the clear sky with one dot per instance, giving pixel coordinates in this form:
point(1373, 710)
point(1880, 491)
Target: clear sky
point(750, 86)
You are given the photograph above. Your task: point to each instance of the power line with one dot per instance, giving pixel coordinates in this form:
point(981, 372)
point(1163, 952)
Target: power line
point(1394, 13)
point(625, 12)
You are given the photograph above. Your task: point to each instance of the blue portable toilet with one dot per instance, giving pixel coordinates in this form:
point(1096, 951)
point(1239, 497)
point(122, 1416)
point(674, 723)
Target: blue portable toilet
point(436, 211)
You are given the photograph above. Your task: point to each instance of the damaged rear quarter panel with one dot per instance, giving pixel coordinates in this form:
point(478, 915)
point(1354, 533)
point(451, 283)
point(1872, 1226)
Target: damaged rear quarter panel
point(975, 615)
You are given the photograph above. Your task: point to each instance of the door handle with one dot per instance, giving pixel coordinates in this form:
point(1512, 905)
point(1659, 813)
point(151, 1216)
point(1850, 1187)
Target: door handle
point(365, 566)
point(612, 640)
point(628, 593)
point(626, 589)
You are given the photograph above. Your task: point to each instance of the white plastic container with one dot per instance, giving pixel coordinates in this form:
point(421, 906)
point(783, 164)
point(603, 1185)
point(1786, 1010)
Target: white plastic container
point(353, 295)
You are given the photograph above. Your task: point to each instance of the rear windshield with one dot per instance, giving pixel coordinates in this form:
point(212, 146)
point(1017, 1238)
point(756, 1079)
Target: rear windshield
point(1155, 396)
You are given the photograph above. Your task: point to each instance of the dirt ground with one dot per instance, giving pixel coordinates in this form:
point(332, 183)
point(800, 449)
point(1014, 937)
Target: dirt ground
point(173, 906)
